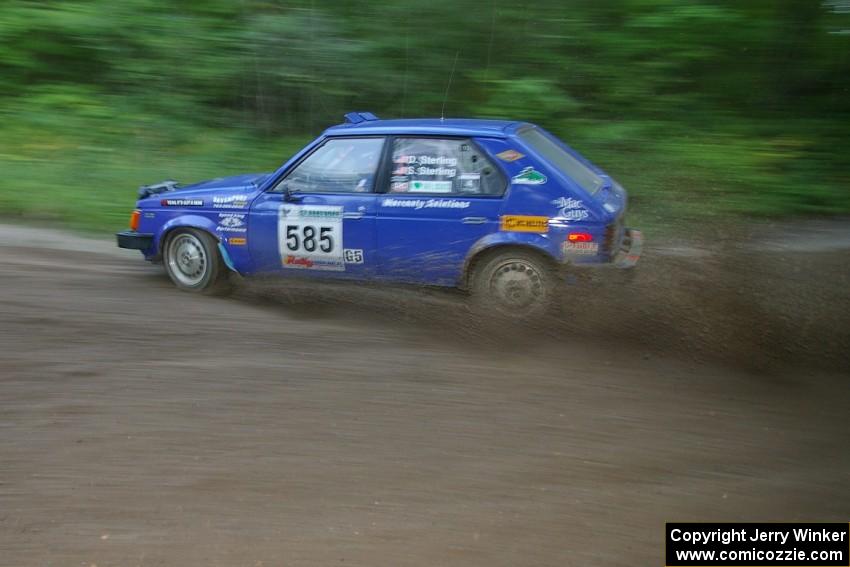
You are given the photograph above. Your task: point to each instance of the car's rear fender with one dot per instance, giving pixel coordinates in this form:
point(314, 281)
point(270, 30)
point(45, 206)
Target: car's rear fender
point(538, 243)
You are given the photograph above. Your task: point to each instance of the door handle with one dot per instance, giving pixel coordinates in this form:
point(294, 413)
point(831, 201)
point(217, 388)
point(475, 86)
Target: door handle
point(352, 216)
point(474, 220)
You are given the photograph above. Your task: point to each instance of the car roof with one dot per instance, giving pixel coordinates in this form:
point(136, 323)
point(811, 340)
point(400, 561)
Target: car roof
point(427, 126)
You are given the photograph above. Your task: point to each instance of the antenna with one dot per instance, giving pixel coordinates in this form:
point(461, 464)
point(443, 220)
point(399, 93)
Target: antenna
point(446, 97)
point(406, 64)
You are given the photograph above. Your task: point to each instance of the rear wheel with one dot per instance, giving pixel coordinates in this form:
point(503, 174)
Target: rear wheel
point(193, 262)
point(515, 283)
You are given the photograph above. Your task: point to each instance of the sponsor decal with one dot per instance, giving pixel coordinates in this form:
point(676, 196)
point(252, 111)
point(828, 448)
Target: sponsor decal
point(570, 209)
point(520, 223)
point(352, 255)
point(309, 263)
point(312, 212)
point(575, 215)
point(529, 176)
point(510, 155)
point(237, 240)
point(425, 203)
point(230, 201)
point(291, 261)
point(231, 222)
point(470, 182)
point(431, 187)
point(580, 248)
point(149, 215)
point(310, 236)
point(182, 202)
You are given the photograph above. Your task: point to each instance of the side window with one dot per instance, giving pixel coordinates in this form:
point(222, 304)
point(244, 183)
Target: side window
point(343, 165)
point(443, 167)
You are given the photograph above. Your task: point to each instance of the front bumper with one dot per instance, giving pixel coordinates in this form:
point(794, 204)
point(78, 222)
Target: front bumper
point(134, 240)
point(631, 247)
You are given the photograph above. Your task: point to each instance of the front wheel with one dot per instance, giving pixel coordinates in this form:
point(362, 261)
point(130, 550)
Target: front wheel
point(515, 283)
point(193, 262)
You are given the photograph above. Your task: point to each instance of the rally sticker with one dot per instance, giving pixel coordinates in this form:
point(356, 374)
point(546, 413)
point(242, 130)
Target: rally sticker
point(310, 237)
point(353, 255)
point(231, 222)
point(510, 155)
point(230, 202)
point(570, 209)
point(521, 223)
point(431, 187)
point(470, 182)
point(182, 203)
point(580, 248)
point(425, 203)
point(529, 176)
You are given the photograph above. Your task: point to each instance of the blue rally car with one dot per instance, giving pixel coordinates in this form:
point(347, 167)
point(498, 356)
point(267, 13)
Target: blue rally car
point(494, 207)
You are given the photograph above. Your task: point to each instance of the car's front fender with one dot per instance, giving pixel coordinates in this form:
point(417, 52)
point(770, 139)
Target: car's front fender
point(183, 221)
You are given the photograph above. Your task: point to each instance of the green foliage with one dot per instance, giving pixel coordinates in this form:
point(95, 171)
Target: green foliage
point(700, 108)
point(532, 98)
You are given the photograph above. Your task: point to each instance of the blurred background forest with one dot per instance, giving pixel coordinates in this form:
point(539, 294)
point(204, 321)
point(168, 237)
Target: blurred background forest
point(701, 108)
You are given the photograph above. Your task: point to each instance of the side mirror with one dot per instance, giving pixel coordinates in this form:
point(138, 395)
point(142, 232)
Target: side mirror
point(289, 195)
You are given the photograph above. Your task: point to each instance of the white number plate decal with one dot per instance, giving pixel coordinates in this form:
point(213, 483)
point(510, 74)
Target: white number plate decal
point(310, 237)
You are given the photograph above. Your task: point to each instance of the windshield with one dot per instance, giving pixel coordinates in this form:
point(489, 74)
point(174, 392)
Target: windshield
point(562, 159)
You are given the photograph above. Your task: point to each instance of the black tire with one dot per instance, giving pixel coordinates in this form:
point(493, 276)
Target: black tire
point(514, 283)
point(193, 262)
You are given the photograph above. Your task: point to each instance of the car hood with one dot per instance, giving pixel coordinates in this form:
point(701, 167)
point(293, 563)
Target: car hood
point(245, 181)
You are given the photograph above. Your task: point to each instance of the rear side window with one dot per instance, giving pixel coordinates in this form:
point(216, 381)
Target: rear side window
point(437, 166)
point(562, 159)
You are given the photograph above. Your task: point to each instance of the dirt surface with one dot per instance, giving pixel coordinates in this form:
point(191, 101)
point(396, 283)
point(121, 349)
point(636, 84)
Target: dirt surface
point(300, 425)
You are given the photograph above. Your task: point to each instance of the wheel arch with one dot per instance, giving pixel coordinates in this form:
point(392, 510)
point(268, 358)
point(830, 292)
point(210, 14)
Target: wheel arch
point(536, 244)
point(183, 221)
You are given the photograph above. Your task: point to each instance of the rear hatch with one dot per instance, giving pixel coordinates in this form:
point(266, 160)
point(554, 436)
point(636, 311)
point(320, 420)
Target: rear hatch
point(602, 189)
point(613, 199)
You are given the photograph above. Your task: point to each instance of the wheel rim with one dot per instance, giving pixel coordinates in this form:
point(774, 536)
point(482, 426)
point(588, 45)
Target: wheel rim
point(516, 284)
point(187, 260)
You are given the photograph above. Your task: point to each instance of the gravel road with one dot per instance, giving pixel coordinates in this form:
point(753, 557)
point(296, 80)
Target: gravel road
point(291, 425)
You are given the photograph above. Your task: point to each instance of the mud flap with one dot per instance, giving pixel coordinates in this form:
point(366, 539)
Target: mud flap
point(630, 249)
point(226, 257)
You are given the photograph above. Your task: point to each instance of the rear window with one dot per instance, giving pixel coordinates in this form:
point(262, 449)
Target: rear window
point(443, 167)
point(562, 159)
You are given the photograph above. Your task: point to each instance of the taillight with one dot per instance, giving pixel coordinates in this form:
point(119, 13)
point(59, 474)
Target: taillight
point(579, 237)
point(134, 220)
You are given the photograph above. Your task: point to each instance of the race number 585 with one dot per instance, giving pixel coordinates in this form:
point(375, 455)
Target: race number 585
point(309, 238)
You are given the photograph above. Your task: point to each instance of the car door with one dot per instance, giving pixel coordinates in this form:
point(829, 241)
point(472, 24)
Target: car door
point(442, 195)
point(320, 216)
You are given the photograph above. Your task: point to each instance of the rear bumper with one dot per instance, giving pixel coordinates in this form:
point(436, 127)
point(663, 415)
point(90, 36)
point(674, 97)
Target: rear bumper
point(133, 240)
point(631, 247)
